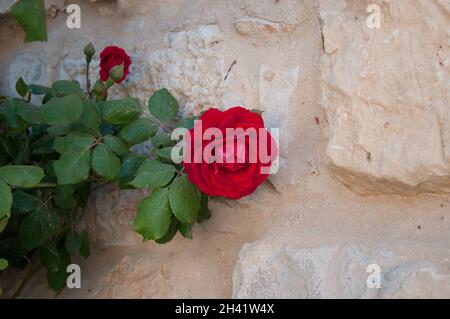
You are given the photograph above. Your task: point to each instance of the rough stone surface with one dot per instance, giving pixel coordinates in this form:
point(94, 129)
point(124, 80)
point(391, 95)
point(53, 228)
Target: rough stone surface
point(191, 65)
point(382, 90)
point(109, 220)
point(287, 271)
point(5, 5)
point(257, 26)
point(336, 89)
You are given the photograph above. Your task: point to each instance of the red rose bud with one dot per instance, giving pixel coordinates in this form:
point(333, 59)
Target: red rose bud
point(89, 52)
point(109, 58)
point(98, 88)
point(116, 73)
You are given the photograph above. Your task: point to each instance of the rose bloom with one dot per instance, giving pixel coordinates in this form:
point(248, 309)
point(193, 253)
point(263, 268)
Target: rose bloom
point(237, 173)
point(109, 58)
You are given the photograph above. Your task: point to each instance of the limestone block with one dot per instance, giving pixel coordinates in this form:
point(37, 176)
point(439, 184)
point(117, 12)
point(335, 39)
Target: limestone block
point(333, 271)
point(109, 216)
point(386, 94)
point(258, 26)
point(190, 65)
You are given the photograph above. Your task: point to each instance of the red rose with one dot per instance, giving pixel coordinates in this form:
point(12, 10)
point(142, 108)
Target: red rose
point(235, 171)
point(110, 57)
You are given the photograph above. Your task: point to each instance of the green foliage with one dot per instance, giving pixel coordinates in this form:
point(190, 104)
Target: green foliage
point(62, 110)
point(105, 163)
point(21, 175)
point(3, 264)
point(5, 199)
point(184, 200)
point(154, 214)
point(51, 154)
point(49, 255)
point(153, 174)
point(120, 111)
point(138, 131)
point(31, 16)
point(163, 105)
point(72, 242)
point(57, 279)
point(21, 87)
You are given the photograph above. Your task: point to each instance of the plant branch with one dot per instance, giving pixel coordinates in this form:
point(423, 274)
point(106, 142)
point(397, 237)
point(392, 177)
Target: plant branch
point(88, 82)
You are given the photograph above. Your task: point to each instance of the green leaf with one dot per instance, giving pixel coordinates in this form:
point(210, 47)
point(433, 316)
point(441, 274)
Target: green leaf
point(21, 175)
point(47, 97)
point(49, 255)
point(5, 199)
point(203, 213)
point(184, 200)
point(130, 165)
point(66, 87)
point(171, 232)
point(44, 145)
point(72, 242)
point(91, 116)
point(116, 144)
point(105, 163)
point(162, 140)
point(22, 126)
point(165, 153)
point(24, 203)
point(37, 227)
point(4, 222)
point(163, 105)
point(62, 110)
point(82, 194)
point(73, 167)
point(120, 111)
point(187, 122)
point(59, 130)
point(28, 112)
point(85, 249)
point(37, 89)
point(57, 279)
point(3, 264)
point(153, 174)
point(8, 111)
point(138, 131)
point(64, 197)
point(74, 140)
point(185, 230)
point(153, 217)
point(21, 87)
point(31, 16)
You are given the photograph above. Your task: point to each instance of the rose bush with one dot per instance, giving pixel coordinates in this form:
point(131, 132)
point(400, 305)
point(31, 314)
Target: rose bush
point(51, 155)
point(231, 173)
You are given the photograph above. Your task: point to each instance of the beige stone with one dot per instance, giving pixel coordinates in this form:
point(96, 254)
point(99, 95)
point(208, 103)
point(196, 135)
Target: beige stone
point(257, 26)
point(109, 217)
point(386, 93)
point(309, 236)
point(287, 271)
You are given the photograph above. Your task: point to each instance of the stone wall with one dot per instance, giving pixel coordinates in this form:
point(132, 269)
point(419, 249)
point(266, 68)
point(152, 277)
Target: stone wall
point(365, 164)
